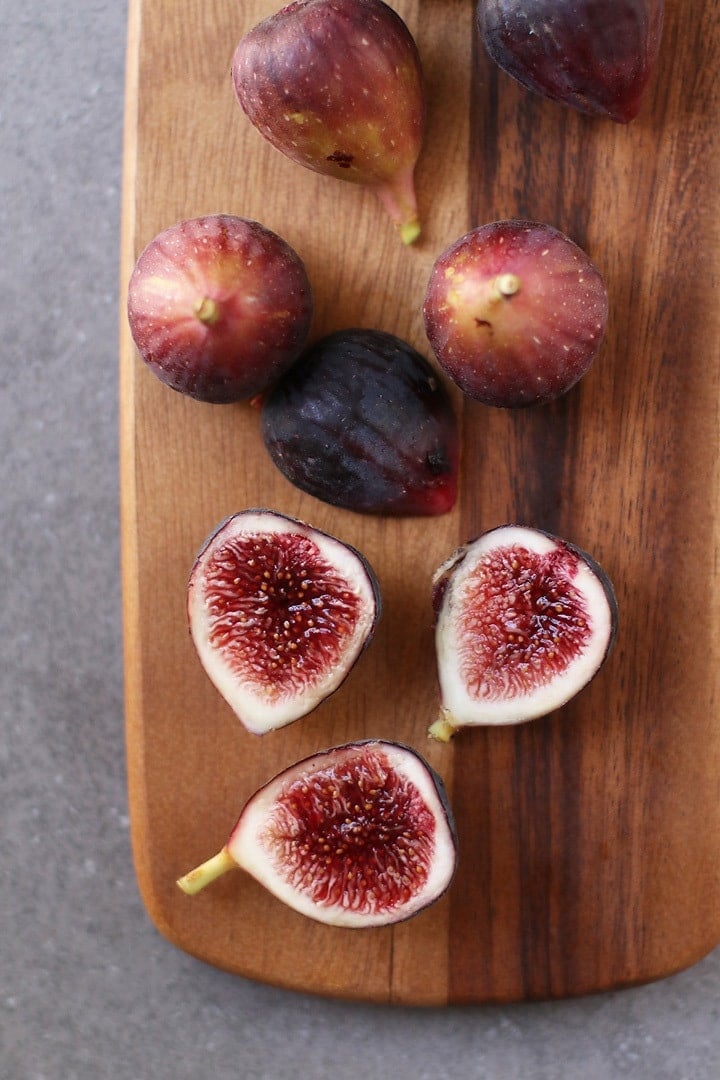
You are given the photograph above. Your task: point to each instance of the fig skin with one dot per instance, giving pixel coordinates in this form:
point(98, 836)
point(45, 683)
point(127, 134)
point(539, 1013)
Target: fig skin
point(524, 621)
point(279, 613)
point(515, 313)
point(320, 832)
point(364, 422)
point(595, 56)
point(337, 86)
point(219, 306)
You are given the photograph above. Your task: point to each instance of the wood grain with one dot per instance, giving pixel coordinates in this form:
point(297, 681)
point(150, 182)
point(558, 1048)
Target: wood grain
point(590, 840)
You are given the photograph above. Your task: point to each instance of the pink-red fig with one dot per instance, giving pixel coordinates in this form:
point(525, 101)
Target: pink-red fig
point(219, 307)
point(336, 86)
point(515, 313)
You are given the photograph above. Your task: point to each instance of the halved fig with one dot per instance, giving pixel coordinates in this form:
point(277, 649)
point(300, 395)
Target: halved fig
point(279, 612)
point(358, 835)
point(336, 86)
point(595, 56)
point(364, 422)
point(524, 620)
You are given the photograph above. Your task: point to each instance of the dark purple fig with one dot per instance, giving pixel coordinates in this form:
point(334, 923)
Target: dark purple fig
point(524, 620)
point(596, 56)
point(336, 85)
point(362, 421)
point(358, 835)
point(279, 613)
point(219, 307)
point(515, 313)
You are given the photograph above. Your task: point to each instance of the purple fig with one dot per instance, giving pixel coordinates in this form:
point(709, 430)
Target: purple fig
point(363, 421)
point(594, 55)
point(336, 85)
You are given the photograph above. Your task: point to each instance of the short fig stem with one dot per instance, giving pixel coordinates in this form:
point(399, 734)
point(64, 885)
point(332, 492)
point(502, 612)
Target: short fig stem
point(409, 231)
point(208, 871)
point(442, 730)
point(398, 198)
point(505, 285)
point(207, 310)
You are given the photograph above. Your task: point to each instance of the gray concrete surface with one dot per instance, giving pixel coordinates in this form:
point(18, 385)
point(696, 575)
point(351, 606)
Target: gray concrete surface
point(88, 989)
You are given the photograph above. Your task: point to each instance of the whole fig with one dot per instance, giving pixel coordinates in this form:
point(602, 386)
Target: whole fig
point(594, 55)
point(364, 422)
point(515, 313)
point(336, 85)
point(219, 307)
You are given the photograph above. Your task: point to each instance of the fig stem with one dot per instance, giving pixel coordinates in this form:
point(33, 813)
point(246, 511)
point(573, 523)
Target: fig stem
point(409, 232)
point(207, 310)
point(207, 872)
point(398, 197)
point(505, 285)
point(442, 730)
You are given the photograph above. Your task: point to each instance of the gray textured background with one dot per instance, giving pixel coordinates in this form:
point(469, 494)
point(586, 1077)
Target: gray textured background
point(89, 990)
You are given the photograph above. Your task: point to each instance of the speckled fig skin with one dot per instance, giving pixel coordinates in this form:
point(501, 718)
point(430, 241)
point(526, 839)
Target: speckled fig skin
point(595, 56)
point(515, 313)
point(336, 85)
point(219, 307)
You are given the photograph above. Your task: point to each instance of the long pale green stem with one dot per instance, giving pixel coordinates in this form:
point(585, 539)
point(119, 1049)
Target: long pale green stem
point(208, 871)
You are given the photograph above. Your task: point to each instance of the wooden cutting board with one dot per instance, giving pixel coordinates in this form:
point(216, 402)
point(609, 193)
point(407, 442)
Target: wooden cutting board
point(590, 840)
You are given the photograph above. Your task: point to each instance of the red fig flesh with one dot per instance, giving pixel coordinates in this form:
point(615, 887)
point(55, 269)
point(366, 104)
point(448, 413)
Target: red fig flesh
point(358, 835)
point(279, 612)
point(336, 85)
point(596, 56)
point(524, 621)
point(219, 307)
point(515, 313)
